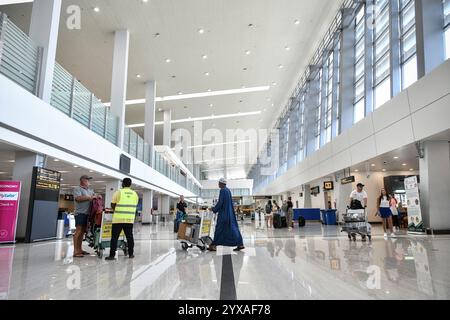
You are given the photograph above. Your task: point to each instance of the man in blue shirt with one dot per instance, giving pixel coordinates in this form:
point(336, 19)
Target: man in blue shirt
point(227, 231)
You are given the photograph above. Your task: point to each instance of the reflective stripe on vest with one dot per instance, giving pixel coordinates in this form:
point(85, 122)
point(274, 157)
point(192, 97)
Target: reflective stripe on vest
point(125, 210)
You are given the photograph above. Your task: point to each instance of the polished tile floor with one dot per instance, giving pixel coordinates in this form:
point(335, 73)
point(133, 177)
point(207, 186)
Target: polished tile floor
point(316, 262)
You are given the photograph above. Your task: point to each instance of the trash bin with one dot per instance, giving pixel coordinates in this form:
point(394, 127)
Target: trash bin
point(329, 217)
point(60, 224)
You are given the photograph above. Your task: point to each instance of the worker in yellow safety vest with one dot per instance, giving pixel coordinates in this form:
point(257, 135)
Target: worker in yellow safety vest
point(124, 204)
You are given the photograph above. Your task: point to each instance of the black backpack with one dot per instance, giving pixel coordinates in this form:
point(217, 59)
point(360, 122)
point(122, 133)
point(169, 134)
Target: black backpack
point(301, 222)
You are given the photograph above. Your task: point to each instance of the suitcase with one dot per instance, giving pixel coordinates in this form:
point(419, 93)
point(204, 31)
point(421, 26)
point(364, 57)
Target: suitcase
point(277, 221)
point(301, 222)
point(284, 222)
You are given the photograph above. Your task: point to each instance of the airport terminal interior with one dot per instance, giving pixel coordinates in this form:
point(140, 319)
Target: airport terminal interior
point(277, 149)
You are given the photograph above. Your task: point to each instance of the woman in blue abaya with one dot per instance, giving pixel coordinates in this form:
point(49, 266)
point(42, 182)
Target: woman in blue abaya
point(227, 231)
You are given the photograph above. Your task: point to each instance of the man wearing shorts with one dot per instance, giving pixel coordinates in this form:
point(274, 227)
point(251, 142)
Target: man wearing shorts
point(83, 197)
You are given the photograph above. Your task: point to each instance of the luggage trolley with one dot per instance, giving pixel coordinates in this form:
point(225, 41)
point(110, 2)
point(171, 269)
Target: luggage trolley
point(100, 238)
point(355, 222)
point(197, 231)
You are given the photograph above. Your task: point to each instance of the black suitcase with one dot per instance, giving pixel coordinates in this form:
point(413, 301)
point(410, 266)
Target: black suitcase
point(301, 222)
point(277, 221)
point(284, 222)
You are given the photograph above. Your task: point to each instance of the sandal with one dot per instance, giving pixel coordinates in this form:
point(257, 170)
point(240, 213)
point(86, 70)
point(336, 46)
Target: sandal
point(80, 255)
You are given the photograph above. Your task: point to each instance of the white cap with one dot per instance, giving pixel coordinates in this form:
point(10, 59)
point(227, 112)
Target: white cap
point(223, 180)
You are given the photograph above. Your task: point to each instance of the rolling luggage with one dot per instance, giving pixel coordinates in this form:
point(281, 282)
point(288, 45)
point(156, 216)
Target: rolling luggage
point(284, 222)
point(301, 222)
point(277, 221)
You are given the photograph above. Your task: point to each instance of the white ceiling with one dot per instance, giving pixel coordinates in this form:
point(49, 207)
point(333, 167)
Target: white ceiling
point(87, 53)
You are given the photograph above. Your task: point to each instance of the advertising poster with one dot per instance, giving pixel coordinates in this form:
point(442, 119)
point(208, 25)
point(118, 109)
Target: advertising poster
point(9, 210)
point(415, 223)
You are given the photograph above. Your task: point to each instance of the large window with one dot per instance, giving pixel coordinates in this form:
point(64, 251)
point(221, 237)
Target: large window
point(329, 97)
point(301, 128)
point(359, 81)
point(381, 56)
point(408, 57)
point(447, 27)
point(319, 110)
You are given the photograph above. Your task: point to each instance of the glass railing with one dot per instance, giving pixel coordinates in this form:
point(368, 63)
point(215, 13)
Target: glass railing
point(19, 56)
point(76, 101)
point(20, 61)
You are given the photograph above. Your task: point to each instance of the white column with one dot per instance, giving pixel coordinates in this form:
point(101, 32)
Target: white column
point(434, 185)
point(44, 32)
point(111, 188)
point(23, 171)
point(150, 106)
point(147, 205)
point(307, 196)
point(165, 205)
point(429, 34)
point(119, 79)
point(167, 133)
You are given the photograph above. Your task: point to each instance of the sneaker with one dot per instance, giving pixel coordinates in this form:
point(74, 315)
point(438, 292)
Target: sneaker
point(110, 258)
point(131, 256)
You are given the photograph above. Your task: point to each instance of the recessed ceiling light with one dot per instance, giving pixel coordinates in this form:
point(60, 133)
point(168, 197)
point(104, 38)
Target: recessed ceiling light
point(248, 52)
point(280, 66)
point(243, 87)
point(206, 73)
point(180, 93)
point(373, 164)
point(384, 170)
point(411, 169)
point(144, 1)
point(404, 164)
point(91, 171)
point(204, 57)
point(287, 48)
point(209, 90)
point(274, 83)
point(103, 175)
point(201, 31)
point(296, 22)
point(138, 76)
point(56, 160)
point(211, 105)
point(395, 158)
point(168, 60)
point(97, 9)
point(356, 170)
point(75, 166)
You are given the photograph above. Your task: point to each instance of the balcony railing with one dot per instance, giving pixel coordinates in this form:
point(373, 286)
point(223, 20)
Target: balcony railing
point(73, 99)
point(20, 61)
point(20, 57)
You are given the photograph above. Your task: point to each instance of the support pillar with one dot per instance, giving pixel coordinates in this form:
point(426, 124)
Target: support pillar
point(43, 31)
point(119, 80)
point(111, 188)
point(307, 196)
point(147, 206)
point(167, 133)
point(23, 171)
point(150, 107)
point(434, 185)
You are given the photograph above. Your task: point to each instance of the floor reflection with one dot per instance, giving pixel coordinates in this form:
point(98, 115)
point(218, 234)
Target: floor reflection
point(316, 262)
